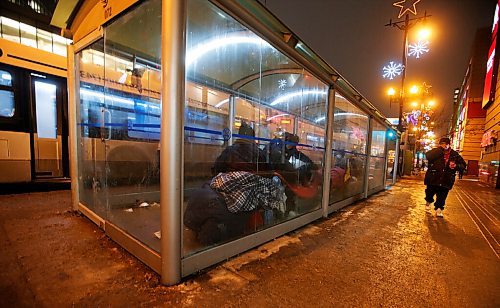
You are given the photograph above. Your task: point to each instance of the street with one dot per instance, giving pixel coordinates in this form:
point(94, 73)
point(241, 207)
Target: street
point(382, 251)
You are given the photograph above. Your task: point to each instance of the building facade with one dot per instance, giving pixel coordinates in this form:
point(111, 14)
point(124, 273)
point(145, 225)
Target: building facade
point(468, 119)
point(490, 150)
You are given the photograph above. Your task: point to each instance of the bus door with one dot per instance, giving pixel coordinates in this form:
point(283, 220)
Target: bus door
point(49, 133)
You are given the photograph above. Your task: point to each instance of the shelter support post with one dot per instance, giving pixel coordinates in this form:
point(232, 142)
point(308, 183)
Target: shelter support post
point(171, 140)
point(328, 150)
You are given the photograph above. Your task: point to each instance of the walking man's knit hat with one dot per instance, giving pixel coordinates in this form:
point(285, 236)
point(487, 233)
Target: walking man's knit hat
point(444, 140)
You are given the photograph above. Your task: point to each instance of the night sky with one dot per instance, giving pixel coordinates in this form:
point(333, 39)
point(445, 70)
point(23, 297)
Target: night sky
point(352, 37)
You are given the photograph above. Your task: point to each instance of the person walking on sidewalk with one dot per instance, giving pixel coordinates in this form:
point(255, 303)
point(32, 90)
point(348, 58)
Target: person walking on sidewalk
point(461, 172)
point(443, 162)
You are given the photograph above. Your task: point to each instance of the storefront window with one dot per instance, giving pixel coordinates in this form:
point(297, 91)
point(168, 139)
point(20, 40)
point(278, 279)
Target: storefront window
point(350, 130)
point(254, 127)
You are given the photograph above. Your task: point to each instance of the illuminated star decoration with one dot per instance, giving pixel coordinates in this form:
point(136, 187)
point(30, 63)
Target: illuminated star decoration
point(426, 87)
point(406, 6)
point(281, 84)
point(418, 49)
point(391, 70)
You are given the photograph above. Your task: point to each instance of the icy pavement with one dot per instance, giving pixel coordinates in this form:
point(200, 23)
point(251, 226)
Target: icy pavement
point(383, 251)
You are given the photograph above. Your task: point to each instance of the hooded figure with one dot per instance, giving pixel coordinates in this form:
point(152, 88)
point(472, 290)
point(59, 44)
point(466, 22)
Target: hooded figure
point(243, 155)
point(440, 175)
point(294, 165)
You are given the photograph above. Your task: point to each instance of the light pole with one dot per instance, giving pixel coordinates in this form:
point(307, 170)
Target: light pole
point(391, 92)
point(413, 91)
point(420, 116)
point(405, 25)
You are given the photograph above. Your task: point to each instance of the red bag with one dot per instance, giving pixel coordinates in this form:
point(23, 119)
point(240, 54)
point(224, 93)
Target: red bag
point(336, 177)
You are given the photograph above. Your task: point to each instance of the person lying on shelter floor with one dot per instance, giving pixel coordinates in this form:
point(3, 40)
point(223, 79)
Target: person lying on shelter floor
point(221, 210)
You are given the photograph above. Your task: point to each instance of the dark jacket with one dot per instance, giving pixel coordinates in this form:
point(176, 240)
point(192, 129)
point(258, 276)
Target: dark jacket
point(207, 214)
point(439, 172)
point(243, 155)
point(279, 157)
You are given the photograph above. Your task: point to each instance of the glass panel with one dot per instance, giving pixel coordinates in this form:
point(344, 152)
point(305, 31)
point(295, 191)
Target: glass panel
point(10, 30)
point(44, 40)
point(5, 78)
point(7, 104)
point(46, 111)
point(28, 35)
point(91, 130)
point(222, 51)
point(350, 132)
point(377, 156)
point(132, 110)
point(255, 126)
point(376, 175)
point(378, 140)
point(391, 155)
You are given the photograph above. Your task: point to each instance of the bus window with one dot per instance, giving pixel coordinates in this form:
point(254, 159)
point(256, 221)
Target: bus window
point(7, 103)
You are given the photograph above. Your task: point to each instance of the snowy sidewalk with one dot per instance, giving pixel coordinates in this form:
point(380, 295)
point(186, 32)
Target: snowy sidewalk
point(383, 251)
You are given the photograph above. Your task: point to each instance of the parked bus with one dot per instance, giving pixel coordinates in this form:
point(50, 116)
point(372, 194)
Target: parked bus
point(33, 104)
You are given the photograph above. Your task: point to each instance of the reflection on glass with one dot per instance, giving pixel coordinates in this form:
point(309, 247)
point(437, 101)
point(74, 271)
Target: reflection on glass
point(130, 113)
point(90, 123)
point(7, 103)
point(391, 156)
point(7, 106)
point(350, 132)
point(254, 132)
point(377, 156)
point(120, 115)
point(5, 78)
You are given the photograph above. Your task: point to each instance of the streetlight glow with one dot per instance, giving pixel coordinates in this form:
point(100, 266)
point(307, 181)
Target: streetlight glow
point(414, 104)
point(424, 34)
point(415, 129)
point(414, 90)
point(431, 103)
point(391, 92)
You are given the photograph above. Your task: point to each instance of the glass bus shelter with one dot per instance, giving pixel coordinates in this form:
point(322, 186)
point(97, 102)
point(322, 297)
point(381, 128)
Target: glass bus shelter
point(201, 129)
